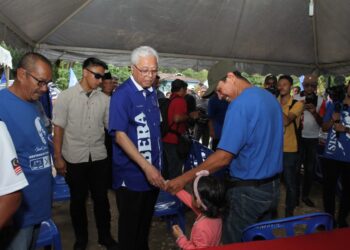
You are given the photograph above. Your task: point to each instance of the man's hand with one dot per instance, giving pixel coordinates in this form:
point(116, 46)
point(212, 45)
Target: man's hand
point(177, 232)
point(154, 177)
point(335, 116)
point(175, 185)
point(339, 127)
point(60, 166)
point(310, 107)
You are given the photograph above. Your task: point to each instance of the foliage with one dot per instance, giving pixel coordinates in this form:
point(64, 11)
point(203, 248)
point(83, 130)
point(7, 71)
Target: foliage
point(16, 56)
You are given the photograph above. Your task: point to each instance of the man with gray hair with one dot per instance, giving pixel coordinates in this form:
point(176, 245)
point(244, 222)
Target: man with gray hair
point(134, 122)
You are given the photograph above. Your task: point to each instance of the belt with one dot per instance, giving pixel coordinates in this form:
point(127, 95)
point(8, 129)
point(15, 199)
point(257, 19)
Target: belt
point(250, 183)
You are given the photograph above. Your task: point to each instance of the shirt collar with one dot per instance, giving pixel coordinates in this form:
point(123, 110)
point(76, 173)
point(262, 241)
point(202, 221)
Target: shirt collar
point(138, 86)
point(82, 91)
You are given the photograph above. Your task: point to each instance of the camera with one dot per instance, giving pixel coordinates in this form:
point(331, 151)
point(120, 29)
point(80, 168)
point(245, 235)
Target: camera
point(311, 99)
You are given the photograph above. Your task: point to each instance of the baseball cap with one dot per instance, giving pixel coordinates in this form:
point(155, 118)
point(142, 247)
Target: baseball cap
point(216, 73)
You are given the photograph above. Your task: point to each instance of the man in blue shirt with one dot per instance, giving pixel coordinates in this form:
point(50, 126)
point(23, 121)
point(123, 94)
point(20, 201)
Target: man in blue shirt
point(135, 124)
point(19, 111)
point(251, 144)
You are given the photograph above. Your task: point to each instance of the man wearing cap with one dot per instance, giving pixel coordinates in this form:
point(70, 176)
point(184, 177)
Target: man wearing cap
point(314, 109)
point(253, 129)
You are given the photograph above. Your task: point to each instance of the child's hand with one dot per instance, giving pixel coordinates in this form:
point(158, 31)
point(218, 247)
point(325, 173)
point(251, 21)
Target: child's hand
point(177, 232)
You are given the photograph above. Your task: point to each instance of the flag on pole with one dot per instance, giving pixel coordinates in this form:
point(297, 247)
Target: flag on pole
point(3, 77)
point(72, 78)
point(301, 79)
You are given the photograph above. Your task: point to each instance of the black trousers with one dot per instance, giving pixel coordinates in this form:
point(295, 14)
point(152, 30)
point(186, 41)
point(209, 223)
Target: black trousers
point(135, 217)
point(332, 170)
point(81, 178)
point(308, 154)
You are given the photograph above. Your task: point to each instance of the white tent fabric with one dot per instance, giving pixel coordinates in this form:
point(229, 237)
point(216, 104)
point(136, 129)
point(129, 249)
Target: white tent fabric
point(5, 57)
point(260, 36)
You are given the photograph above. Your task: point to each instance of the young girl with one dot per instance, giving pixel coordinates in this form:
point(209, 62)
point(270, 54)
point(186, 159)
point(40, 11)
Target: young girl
point(208, 203)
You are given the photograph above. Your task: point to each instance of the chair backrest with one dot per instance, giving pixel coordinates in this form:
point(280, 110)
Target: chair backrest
point(287, 227)
point(48, 236)
point(61, 190)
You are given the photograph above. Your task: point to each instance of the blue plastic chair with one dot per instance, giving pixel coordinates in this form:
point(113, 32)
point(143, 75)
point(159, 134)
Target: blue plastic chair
point(170, 208)
point(60, 189)
point(49, 236)
point(266, 230)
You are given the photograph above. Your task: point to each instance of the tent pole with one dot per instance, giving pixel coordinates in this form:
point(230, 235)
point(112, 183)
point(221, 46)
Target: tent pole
point(314, 30)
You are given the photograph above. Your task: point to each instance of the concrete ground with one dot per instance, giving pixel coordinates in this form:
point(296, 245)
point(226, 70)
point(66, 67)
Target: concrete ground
point(160, 237)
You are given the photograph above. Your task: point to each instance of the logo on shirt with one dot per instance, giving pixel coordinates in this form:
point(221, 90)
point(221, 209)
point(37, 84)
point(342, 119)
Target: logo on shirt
point(143, 137)
point(40, 129)
point(16, 167)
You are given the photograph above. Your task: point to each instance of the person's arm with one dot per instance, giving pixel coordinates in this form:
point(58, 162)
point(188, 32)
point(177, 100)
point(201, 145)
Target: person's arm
point(152, 174)
point(293, 113)
point(60, 163)
point(211, 129)
point(215, 162)
point(200, 238)
point(186, 198)
point(312, 109)
point(9, 204)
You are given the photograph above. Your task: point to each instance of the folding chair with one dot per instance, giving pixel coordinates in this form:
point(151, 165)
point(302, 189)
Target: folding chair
point(60, 189)
point(170, 208)
point(48, 236)
point(267, 230)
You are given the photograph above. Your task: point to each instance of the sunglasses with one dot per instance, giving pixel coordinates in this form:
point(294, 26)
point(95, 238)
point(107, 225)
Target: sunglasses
point(40, 83)
point(96, 75)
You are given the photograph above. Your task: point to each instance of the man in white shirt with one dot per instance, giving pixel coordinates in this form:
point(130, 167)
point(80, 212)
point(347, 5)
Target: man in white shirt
point(314, 109)
point(12, 179)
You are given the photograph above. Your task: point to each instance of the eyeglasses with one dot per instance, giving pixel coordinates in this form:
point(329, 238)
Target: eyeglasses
point(96, 75)
point(40, 83)
point(145, 72)
point(308, 85)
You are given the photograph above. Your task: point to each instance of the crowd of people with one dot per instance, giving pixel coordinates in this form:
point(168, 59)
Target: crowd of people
point(113, 136)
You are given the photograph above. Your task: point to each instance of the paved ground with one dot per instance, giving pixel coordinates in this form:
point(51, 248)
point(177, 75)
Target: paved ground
point(160, 238)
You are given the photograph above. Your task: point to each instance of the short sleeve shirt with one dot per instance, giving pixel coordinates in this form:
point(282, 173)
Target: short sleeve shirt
point(83, 119)
point(290, 139)
point(135, 112)
point(30, 138)
point(11, 178)
point(338, 146)
point(253, 133)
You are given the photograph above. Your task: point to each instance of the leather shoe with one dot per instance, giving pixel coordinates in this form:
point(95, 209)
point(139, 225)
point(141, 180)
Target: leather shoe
point(109, 243)
point(308, 202)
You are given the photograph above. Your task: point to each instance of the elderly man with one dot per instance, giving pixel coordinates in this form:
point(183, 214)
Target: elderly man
point(252, 130)
point(135, 125)
point(19, 111)
point(80, 116)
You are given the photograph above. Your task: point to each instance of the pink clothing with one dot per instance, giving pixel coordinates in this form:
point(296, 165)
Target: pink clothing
point(206, 232)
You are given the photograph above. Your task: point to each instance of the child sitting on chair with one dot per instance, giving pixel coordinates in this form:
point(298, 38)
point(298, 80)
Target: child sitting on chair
point(207, 202)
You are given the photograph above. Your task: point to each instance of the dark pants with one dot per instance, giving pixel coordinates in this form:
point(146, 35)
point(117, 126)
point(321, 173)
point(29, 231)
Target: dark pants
point(173, 163)
point(135, 217)
point(82, 178)
point(308, 154)
point(332, 170)
point(247, 206)
point(290, 161)
point(201, 131)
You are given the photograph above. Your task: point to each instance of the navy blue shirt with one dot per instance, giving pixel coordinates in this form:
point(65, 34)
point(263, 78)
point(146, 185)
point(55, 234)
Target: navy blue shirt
point(29, 136)
point(216, 112)
point(136, 113)
point(253, 133)
point(337, 147)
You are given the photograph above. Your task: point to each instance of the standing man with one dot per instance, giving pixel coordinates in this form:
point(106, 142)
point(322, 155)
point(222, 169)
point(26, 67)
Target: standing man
point(79, 117)
point(19, 111)
point(314, 109)
point(135, 125)
point(252, 130)
point(292, 110)
point(177, 124)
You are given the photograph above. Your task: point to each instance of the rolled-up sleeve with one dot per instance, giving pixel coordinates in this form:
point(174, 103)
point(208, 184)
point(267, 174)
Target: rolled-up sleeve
point(60, 111)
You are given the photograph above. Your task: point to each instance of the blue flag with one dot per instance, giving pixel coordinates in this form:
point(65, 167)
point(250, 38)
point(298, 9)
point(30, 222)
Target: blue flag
point(301, 79)
point(3, 77)
point(72, 78)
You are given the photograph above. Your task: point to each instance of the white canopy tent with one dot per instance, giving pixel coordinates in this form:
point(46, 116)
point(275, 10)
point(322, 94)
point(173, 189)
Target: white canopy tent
point(260, 36)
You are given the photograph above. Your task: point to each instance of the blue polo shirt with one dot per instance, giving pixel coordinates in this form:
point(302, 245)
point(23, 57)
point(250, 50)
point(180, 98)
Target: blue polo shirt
point(253, 133)
point(135, 111)
point(29, 137)
point(337, 147)
point(216, 112)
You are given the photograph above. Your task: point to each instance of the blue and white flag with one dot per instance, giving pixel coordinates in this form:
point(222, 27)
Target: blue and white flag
point(3, 77)
point(301, 79)
point(72, 78)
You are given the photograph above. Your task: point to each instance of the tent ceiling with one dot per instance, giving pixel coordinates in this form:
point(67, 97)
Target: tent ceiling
point(260, 36)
